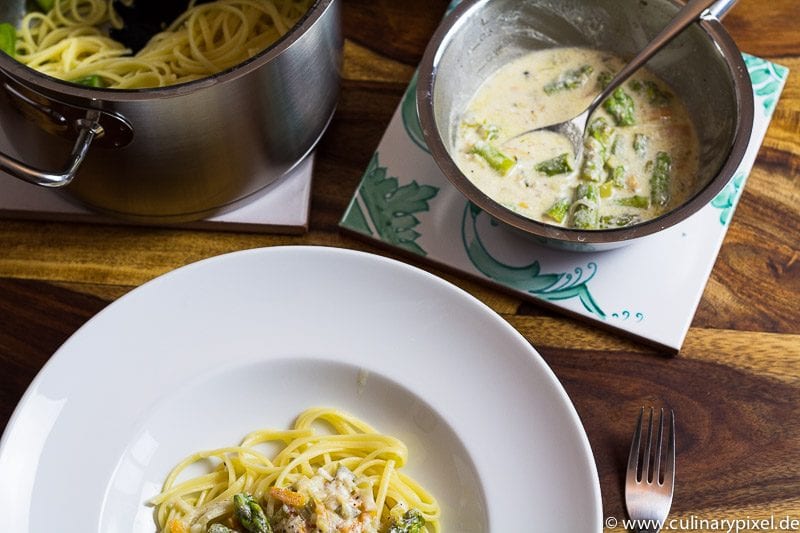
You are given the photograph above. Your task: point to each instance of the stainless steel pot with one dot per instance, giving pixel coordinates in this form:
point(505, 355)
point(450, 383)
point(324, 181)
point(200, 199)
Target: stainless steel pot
point(176, 153)
point(703, 65)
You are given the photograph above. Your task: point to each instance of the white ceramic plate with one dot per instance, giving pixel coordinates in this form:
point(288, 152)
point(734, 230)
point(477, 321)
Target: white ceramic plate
point(201, 356)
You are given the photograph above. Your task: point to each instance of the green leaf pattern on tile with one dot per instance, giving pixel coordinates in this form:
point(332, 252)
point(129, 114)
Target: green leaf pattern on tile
point(391, 207)
point(528, 278)
point(727, 197)
point(408, 110)
point(354, 218)
point(767, 78)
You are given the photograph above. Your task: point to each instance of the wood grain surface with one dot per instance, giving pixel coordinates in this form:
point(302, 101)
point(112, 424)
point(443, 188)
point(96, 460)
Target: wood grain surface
point(735, 386)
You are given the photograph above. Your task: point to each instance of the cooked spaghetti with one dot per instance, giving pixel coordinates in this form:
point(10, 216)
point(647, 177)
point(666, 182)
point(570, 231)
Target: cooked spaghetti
point(346, 478)
point(71, 43)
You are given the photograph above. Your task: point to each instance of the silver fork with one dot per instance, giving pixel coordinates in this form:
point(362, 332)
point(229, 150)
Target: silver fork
point(648, 490)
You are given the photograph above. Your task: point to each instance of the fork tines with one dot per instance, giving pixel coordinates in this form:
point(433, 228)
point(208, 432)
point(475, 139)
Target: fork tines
point(649, 469)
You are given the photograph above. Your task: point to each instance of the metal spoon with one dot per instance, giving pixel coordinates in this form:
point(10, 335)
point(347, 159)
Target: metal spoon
point(575, 128)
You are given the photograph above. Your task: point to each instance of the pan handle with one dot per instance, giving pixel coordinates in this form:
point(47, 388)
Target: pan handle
point(719, 9)
point(88, 128)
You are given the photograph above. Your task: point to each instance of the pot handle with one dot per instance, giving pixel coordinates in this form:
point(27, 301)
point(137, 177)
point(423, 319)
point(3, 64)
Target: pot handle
point(88, 128)
point(719, 9)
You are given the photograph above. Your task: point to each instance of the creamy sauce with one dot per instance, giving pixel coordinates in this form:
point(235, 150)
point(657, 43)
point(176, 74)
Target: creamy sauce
point(640, 157)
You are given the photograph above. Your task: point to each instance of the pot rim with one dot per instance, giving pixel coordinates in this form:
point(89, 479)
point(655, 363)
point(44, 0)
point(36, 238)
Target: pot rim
point(35, 79)
point(425, 109)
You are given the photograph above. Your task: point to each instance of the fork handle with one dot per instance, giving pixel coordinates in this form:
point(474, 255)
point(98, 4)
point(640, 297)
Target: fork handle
point(689, 13)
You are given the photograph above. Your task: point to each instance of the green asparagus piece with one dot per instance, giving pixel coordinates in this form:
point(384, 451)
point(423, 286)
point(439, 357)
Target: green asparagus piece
point(490, 132)
point(603, 79)
point(571, 79)
point(617, 176)
point(46, 5)
point(411, 522)
point(640, 142)
point(620, 106)
point(655, 95)
point(660, 179)
point(557, 165)
point(487, 132)
point(250, 514)
point(586, 206)
point(496, 159)
point(558, 211)
point(91, 81)
point(8, 38)
point(594, 156)
point(639, 202)
point(619, 221)
point(601, 130)
point(618, 146)
point(219, 528)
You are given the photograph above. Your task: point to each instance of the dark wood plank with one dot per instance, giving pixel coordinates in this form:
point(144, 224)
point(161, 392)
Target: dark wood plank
point(37, 318)
point(735, 430)
point(399, 30)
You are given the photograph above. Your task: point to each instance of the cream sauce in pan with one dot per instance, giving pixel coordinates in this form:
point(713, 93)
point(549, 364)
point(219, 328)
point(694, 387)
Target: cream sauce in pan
point(640, 156)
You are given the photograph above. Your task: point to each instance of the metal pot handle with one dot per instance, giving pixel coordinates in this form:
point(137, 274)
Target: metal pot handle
point(719, 9)
point(88, 128)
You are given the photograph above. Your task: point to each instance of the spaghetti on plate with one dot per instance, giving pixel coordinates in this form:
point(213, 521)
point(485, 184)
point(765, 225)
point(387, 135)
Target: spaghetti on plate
point(334, 473)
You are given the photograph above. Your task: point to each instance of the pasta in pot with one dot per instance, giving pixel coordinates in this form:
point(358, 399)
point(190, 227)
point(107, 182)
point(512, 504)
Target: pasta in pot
point(70, 41)
point(346, 479)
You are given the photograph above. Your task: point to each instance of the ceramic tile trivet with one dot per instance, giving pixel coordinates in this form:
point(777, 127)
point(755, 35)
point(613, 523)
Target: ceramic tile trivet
point(649, 289)
point(282, 208)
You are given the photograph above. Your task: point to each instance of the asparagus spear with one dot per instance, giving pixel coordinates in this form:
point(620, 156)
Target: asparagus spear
point(91, 81)
point(640, 142)
point(655, 95)
point(496, 159)
point(601, 130)
point(619, 221)
point(617, 176)
point(558, 211)
point(586, 206)
point(556, 165)
point(660, 179)
point(639, 202)
point(620, 106)
point(571, 79)
point(250, 514)
point(593, 160)
point(487, 132)
point(8, 38)
point(411, 522)
point(603, 79)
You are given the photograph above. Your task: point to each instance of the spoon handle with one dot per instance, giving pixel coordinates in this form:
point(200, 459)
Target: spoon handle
point(686, 16)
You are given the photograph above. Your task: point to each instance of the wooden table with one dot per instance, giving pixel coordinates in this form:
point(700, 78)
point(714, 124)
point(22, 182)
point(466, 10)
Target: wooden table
point(735, 386)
